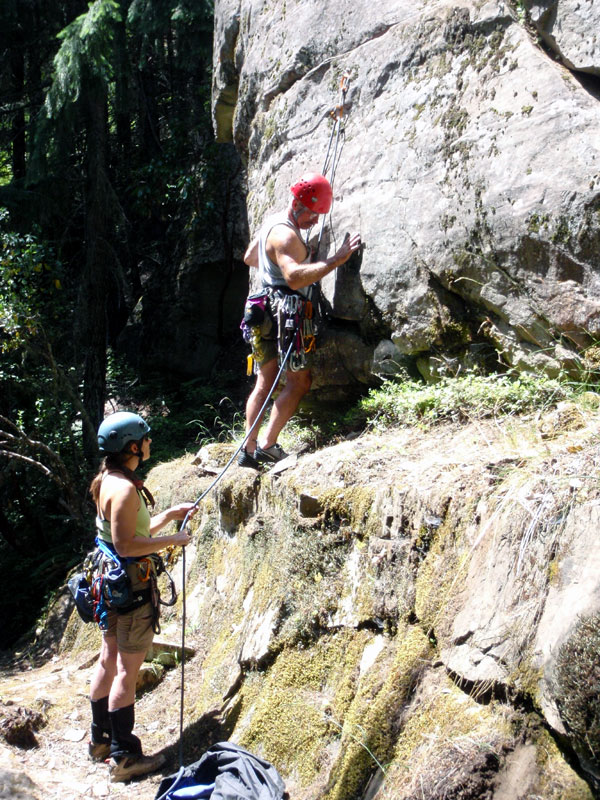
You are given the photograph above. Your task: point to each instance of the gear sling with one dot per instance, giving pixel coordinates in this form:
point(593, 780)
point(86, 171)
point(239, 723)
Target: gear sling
point(290, 315)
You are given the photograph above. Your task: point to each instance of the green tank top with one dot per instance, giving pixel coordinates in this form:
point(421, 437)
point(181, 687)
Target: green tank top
point(142, 525)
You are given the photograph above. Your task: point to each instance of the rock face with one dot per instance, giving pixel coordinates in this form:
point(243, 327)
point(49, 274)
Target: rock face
point(469, 161)
point(570, 31)
point(407, 615)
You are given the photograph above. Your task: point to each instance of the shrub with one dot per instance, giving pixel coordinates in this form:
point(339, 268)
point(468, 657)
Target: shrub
point(459, 399)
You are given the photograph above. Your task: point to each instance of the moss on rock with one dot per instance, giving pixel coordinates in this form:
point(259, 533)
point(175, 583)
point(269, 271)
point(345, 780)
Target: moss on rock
point(450, 746)
point(371, 725)
point(352, 506)
point(286, 714)
point(438, 577)
point(577, 688)
point(80, 637)
point(556, 779)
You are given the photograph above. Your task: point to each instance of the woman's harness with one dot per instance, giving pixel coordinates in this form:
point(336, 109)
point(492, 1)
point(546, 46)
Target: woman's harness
point(105, 585)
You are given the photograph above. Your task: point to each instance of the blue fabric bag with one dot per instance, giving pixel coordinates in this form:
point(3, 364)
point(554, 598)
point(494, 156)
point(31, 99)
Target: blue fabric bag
point(193, 792)
point(234, 773)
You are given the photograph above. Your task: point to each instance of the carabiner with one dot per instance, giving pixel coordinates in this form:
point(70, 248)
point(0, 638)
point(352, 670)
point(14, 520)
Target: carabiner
point(144, 563)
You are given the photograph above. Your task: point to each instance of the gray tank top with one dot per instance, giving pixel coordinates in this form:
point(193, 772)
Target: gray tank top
point(269, 273)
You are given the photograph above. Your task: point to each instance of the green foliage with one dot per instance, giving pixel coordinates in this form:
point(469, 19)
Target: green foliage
point(577, 686)
point(222, 422)
point(86, 50)
point(183, 416)
point(30, 285)
point(117, 169)
point(189, 416)
point(462, 398)
point(29, 583)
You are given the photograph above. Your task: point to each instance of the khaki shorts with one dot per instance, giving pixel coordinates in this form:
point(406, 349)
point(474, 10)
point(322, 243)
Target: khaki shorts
point(266, 349)
point(263, 351)
point(133, 630)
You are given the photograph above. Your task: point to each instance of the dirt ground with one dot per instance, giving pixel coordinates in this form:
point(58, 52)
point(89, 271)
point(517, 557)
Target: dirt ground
point(59, 766)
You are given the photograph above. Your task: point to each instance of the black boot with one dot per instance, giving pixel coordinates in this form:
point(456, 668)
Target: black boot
point(124, 742)
point(126, 760)
point(99, 746)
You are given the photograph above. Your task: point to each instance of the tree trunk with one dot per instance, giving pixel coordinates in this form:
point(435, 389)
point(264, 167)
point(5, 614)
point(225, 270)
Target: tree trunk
point(17, 68)
point(122, 77)
point(98, 255)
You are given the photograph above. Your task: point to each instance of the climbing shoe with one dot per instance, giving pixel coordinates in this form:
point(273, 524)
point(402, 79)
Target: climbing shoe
point(99, 751)
point(128, 767)
point(244, 459)
point(270, 455)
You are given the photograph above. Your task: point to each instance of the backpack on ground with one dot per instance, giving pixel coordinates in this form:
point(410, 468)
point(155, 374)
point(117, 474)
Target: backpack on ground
point(225, 772)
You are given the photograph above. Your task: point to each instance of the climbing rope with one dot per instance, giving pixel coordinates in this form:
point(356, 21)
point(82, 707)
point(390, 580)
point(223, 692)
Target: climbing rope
point(330, 165)
point(185, 522)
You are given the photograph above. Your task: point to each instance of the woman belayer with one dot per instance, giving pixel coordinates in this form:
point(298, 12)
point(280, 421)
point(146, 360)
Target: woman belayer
point(126, 529)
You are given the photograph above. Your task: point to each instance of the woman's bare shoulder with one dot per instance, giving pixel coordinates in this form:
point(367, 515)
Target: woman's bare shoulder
point(115, 486)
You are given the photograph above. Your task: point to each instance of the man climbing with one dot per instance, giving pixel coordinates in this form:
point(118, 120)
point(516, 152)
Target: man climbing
point(284, 269)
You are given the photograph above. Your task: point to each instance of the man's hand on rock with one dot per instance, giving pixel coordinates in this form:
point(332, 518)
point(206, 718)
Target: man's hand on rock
point(349, 246)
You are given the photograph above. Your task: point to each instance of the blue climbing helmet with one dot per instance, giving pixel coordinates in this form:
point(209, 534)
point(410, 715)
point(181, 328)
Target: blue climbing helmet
point(118, 430)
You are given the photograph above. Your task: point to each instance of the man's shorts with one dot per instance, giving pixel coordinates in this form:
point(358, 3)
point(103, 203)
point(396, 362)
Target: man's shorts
point(263, 351)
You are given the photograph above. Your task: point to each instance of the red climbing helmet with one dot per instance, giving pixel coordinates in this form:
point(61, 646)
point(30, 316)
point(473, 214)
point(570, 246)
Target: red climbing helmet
point(314, 192)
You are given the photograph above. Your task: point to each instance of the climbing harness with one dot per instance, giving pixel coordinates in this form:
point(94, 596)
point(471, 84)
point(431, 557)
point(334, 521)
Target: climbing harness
point(105, 585)
point(287, 312)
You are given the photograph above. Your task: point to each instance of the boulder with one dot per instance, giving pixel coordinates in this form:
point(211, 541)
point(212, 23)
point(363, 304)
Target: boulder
point(570, 29)
point(469, 161)
point(18, 786)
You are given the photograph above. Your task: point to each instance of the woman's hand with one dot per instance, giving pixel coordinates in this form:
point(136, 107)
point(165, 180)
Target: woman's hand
point(178, 512)
point(181, 511)
point(181, 538)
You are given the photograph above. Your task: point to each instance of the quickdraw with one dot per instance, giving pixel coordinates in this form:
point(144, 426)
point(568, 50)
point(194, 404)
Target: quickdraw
point(295, 330)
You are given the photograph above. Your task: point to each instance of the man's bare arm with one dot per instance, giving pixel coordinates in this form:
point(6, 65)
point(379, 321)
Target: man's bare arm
point(251, 254)
point(289, 252)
